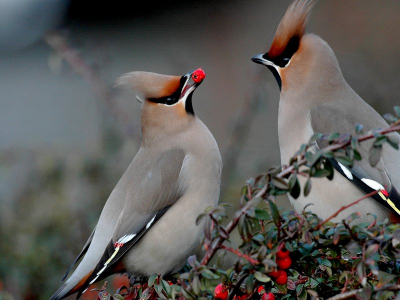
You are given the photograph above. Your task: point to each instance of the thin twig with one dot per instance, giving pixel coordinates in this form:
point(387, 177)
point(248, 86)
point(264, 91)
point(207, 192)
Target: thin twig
point(351, 294)
point(240, 254)
point(345, 207)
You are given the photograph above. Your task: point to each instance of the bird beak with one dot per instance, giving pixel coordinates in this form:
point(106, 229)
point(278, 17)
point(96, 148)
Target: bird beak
point(259, 59)
point(193, 80)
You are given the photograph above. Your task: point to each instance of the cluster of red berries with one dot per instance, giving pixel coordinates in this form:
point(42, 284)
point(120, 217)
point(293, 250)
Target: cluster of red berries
point(284, 262)
point(264, 295)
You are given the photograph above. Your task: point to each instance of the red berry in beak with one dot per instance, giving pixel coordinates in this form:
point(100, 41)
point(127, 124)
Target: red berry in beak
point(198, 75)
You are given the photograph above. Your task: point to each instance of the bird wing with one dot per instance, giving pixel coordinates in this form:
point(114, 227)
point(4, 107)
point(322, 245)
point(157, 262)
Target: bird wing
point(155, 184)
point(84, 250)
point(327, 118)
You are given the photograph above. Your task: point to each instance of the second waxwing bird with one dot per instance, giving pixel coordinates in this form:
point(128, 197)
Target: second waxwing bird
point(315, 97)
point(147, 225)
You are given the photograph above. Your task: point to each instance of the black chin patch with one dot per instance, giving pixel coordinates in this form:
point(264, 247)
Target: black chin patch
point(189, 106)
point(276, 75)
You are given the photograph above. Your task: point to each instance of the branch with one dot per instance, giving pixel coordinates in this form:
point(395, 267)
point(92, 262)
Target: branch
point(351, 294)
point(240, 254)
point(285, 171)
point(345, 207)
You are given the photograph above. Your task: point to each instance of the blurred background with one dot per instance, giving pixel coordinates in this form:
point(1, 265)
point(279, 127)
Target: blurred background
point(66, 136)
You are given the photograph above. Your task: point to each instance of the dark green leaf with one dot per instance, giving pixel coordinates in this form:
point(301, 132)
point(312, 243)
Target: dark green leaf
point(294, 185)
point(321, 173)
point(261, 214)
point(249, 284)
point(344, 160)
point(380, 141)
point(357, 155)
point(393, 142)
point(307, 187)
point(274, 211)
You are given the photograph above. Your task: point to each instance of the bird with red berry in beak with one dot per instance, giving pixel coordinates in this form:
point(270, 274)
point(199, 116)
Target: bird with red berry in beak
point(148, 224)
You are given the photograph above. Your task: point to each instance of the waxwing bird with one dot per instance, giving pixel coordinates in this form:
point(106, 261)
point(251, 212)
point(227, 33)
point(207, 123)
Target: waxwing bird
point(315, 97)
point(147, 225)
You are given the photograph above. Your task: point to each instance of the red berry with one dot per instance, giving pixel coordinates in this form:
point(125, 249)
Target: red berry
point(282, 253)
point(268, 296)
point(274, 273)
point(284, 263)
point(221, 292)
point(261, 290)
point(282, 278)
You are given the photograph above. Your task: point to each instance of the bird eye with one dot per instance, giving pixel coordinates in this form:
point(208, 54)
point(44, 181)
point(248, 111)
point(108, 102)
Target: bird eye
point(169, 100)
point(285, 60)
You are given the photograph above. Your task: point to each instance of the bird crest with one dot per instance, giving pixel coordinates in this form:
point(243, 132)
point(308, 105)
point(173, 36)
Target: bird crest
point(150, 85)
point(292, 26)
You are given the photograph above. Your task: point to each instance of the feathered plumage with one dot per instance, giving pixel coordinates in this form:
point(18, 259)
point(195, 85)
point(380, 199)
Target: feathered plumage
point(148, 225)
point(292, 25)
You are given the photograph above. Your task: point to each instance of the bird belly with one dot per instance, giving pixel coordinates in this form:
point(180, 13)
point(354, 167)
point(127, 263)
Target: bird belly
point(328, 196)
point(167, 245)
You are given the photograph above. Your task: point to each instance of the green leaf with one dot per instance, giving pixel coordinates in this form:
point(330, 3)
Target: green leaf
point(166, 287)
point(187, 294)
point(209, 274)
point(307, 187)
point(380, 141)
point(375, 155)
point(261, 277)
point(261, 214)
point(118, 297)
point(333, 136)
point(158, 288)
point(196, 285)
point(294, 186)
point(321, 173)
point(393, 142)
point(315, 136)
point(357, 155)
point(249, 284)
point(274, 211)
point(344, 160)
point(151, 280)
point(199, 218)
point(280, 183)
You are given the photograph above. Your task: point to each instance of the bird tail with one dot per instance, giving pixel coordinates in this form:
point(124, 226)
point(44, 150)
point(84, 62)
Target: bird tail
point(70, 287)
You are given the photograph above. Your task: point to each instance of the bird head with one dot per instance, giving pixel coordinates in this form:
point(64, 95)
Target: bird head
point(293, 52)
point(167, 104)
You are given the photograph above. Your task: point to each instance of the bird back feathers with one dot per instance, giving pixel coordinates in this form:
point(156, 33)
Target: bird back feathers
point(150, 85)
point(293, 24)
